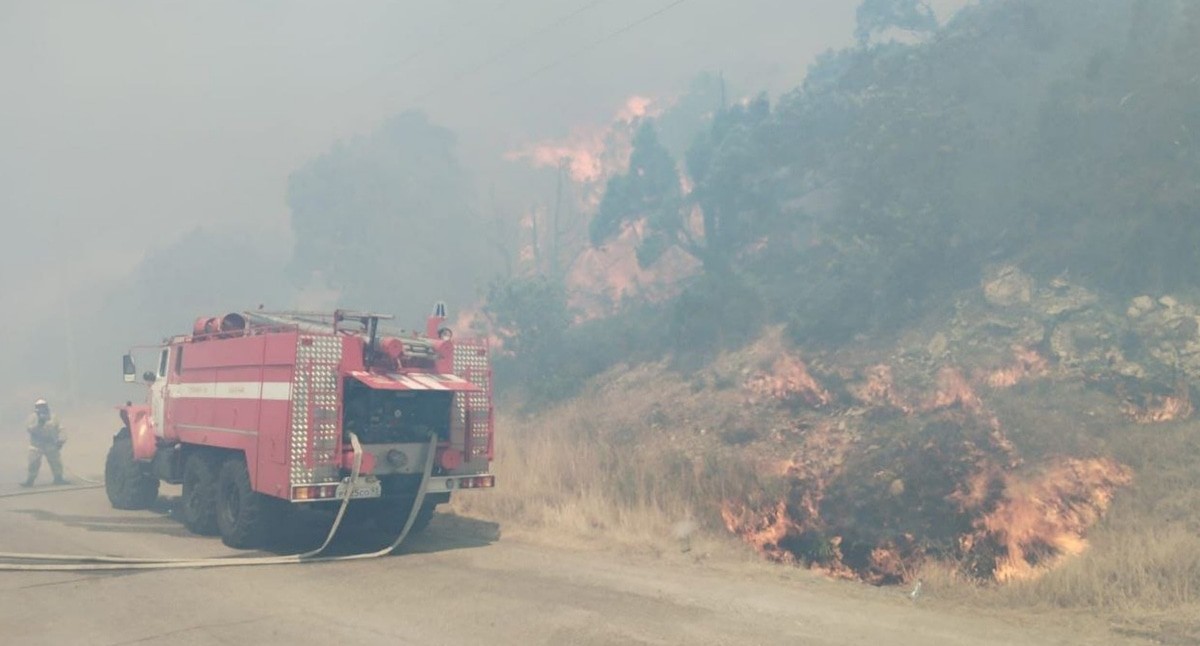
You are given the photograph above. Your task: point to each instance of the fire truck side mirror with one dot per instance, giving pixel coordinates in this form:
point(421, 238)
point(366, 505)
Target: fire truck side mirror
point(129, 369)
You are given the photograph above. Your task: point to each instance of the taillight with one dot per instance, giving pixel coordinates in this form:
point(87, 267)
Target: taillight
point(477, 482)
point(470, 482)
point(314, 492)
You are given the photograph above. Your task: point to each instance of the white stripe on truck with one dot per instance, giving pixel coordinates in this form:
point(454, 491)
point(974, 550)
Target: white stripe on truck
point(267, 390)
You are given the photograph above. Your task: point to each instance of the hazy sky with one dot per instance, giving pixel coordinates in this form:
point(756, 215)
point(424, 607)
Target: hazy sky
point(125, 124)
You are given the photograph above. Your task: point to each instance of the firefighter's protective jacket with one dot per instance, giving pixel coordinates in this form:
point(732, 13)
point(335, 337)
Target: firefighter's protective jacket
point(44, 433)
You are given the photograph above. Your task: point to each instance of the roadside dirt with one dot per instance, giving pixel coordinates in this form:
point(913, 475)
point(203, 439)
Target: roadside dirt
point(463, 582)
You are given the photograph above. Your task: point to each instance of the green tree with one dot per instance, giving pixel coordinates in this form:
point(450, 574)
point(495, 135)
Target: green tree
point(649, 189)
point(876, 16)
point(529, 314)
point(387, 219)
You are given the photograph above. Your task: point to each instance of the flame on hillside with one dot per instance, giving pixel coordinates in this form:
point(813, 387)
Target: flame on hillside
point(591, 154)
point(878, 389)
point(600, 278)
point(1036, 522)
point(953, 390)
point(1154, 409)
point(962, 471)
point(789, 381)
point(780, 530)
point(1027, 364)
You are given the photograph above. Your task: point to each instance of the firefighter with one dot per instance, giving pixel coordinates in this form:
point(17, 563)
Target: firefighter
point(46, 438)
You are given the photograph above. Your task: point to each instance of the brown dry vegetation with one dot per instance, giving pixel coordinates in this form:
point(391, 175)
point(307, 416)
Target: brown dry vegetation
point(647, 458)
point(1142, 564)
point(623, 466)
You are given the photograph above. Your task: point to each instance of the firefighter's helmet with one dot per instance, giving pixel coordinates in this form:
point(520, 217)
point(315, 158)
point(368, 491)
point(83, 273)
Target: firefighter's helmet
point(41, 404)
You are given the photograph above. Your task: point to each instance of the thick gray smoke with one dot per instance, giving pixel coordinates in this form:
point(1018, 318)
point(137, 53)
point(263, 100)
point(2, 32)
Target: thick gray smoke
point(148, 147)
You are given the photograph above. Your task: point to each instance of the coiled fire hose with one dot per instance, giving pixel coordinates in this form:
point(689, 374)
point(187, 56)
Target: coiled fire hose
point(91, 563)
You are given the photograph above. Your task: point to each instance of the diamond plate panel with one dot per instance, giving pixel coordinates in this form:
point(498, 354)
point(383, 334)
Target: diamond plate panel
point(471, 363)
point(315, 426)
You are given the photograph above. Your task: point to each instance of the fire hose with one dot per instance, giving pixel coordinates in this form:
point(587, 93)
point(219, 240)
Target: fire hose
point(90, 563)
point(87, 484)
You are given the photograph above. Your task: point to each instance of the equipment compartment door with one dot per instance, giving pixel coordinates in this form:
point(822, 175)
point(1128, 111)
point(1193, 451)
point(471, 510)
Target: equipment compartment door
point(158, 393)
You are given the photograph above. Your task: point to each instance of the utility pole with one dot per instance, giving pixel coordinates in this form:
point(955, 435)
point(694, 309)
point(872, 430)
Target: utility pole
point(556, 231)
point(536, 241)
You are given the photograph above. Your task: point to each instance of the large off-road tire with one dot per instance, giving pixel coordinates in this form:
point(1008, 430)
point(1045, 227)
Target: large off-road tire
point(245, 517)
point(126, 481)
point(198, 505)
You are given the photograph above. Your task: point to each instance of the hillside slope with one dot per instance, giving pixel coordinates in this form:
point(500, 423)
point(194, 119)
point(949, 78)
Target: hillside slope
point(1031, 435)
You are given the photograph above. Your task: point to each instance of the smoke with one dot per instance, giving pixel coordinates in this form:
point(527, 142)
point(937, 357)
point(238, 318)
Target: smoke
point(128, 127)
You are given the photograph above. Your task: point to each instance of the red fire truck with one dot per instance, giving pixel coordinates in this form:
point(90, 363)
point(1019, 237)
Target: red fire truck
point(257, 412)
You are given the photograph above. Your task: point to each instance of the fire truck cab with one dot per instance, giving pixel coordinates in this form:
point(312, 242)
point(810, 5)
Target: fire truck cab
point(256, 412)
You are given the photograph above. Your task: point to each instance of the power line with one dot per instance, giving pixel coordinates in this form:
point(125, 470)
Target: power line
point(590, 46)
point(512, 47)
point(445, 35)
point(516, 45)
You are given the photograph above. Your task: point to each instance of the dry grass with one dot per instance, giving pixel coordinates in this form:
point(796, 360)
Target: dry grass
point(614, 468)
point(1142, 568)
point(644, 460)
point(1144, 583)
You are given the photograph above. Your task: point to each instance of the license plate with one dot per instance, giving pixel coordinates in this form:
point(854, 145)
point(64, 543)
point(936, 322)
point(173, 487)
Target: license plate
point(361, 490)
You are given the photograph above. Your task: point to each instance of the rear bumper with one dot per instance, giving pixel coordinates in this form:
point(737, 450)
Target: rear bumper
point(371, 487)
point(454, 483)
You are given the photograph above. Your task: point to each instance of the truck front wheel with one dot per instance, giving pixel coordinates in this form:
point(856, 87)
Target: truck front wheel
point(198, 505)
point(244, 517)
point(125, 480)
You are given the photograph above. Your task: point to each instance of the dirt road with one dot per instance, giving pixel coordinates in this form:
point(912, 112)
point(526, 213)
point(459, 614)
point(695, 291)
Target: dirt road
point(460, 583)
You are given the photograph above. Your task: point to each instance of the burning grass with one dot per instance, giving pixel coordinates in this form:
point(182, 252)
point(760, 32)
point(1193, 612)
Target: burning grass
point(940, 480)
point(865, 479)
point(1014, 480)
point(1034, 523)
point(788, 381)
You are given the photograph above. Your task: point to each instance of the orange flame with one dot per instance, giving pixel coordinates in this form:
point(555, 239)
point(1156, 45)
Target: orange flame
point(600, 278)
point(1162, 408)
point(1020, 525)
point(775, 529)
point(1028, 364)
point(591, 154)
point(1037, 522)
point(879, 389)
point(789, 380)
point(953, 390)
point(765, 529)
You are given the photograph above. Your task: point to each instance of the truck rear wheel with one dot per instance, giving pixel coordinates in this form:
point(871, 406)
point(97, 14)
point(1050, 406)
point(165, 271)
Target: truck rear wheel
point(126, 482)
point(198, 505)
point(244, 516)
